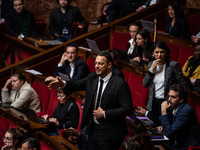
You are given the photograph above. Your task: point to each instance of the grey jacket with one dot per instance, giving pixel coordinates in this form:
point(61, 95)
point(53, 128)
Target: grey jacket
point(173, 74)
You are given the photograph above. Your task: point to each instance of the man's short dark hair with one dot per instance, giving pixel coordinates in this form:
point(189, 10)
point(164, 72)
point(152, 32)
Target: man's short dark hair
point(182, 91)
point(32, 143)
point(21, 1)
point(73, 45)
point(69, 1)
point(137, 25)
point(107, 55)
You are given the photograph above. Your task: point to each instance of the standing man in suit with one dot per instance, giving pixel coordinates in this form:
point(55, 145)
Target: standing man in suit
point(106, 111)
point(62, 18)
point(184, 129)
point(20, 22)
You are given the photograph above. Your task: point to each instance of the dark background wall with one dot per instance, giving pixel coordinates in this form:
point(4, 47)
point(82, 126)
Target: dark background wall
point(89, 8)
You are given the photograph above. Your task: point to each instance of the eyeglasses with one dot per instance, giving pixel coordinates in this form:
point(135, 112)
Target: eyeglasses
point(61, 96)
point(7, 138)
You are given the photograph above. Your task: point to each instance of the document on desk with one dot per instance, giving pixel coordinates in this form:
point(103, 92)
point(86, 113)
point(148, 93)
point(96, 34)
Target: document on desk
point(34, 72)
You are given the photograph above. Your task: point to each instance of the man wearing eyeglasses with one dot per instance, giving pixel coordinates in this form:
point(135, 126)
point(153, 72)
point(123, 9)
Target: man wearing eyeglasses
point(20, 23)
point(107, 103)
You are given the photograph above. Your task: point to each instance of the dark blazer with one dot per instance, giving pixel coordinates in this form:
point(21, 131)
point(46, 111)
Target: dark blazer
point(6, 6)
point(67, 114)
point(81, 70)
point(55, 25)
point(184, 129)
point(180, 28)
point(173, 74)
point(116, 102)
point(13, 24)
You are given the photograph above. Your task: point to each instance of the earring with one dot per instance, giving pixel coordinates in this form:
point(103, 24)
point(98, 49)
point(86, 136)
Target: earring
point(153, 55)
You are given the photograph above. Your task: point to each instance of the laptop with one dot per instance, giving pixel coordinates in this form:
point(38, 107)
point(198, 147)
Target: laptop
point(148, 25)
point(53, 42)
point(63, 76)
point(4, 105)
point(93, 45)
point(30, 114)
point(122, 55)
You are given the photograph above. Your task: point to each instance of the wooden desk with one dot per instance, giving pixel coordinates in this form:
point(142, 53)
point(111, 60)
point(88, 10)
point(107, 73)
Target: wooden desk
point(36, 42)
point(20, 119)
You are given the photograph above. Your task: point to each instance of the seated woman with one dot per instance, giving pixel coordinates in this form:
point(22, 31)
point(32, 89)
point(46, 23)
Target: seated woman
point(176, 24)
point(161, 74)
point(66, 113)
point(13, 139)
point(22, 94)
point(142, 51)
point(133, 29)
point(191, 69)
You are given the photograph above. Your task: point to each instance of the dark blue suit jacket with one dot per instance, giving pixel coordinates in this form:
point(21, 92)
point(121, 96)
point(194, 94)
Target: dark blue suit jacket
point(184, 129)
point(81, 70)
point(116, 102)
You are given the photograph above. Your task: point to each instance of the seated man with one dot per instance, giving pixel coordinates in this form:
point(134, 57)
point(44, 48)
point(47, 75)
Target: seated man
point(22, 94)
point(6, 6)
point(183, 130)
point(72, 65)
point(31, 144)
point(20, 22)
point(62, 18)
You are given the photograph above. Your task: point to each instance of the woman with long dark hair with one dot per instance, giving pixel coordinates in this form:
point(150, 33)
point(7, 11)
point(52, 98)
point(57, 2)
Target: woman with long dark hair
point(176, 24)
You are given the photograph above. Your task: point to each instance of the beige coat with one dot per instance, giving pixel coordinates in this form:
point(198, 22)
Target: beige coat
point(26, 97)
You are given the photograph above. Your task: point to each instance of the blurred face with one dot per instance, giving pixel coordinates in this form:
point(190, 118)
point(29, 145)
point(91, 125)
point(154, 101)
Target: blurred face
point(25, 146)
point(139, 40)
point(174, 99)
point(171, 12)
point(71, 54)
point(197, 52)
point(63, 98)
point(63, 3)
point(16, 83)
point(103, 68)
point(18, 6)
point(133, 30)
point(159, 54)
point(8, 140)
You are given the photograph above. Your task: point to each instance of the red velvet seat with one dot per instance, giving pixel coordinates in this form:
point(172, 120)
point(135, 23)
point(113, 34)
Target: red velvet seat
point(79, 103)
point(174, 49)
point(120, 40)
point(43, 94)
point(53, 102)
point(194, 148)
point(40, 27)
point(139, 93)
point(4, 125)
point(126, 75)
point(184, 54)
point(194, 24)
point(90, 63)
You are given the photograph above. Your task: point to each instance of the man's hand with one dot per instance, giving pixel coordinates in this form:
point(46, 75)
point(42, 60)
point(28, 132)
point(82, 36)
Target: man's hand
point(164, 106)
point(98, 113)
point(50, 79)
point(45, 117)
point(159, 128)
point(20, 38)
point(141, 111)
point(136, 59)
point(56, 84)
point(140, 8)
point(73, 132)
point(63, 58)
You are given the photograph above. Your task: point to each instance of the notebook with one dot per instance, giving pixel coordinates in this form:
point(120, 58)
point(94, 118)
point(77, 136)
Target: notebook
point(148, 25)
point(30, 114)
point(63, 76)
point(53, 42)
point(93, 45)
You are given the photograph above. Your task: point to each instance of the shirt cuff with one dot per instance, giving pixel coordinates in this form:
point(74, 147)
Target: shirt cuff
point(144, 6)
point(146, 113)
point(60, 65)
point(104, 114)
point(64, 83)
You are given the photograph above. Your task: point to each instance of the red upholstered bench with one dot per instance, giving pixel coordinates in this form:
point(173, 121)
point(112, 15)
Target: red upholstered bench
point(184, 54)
point(139, 93)
point(120, 40)
point(174, 49)
point(90, 62)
